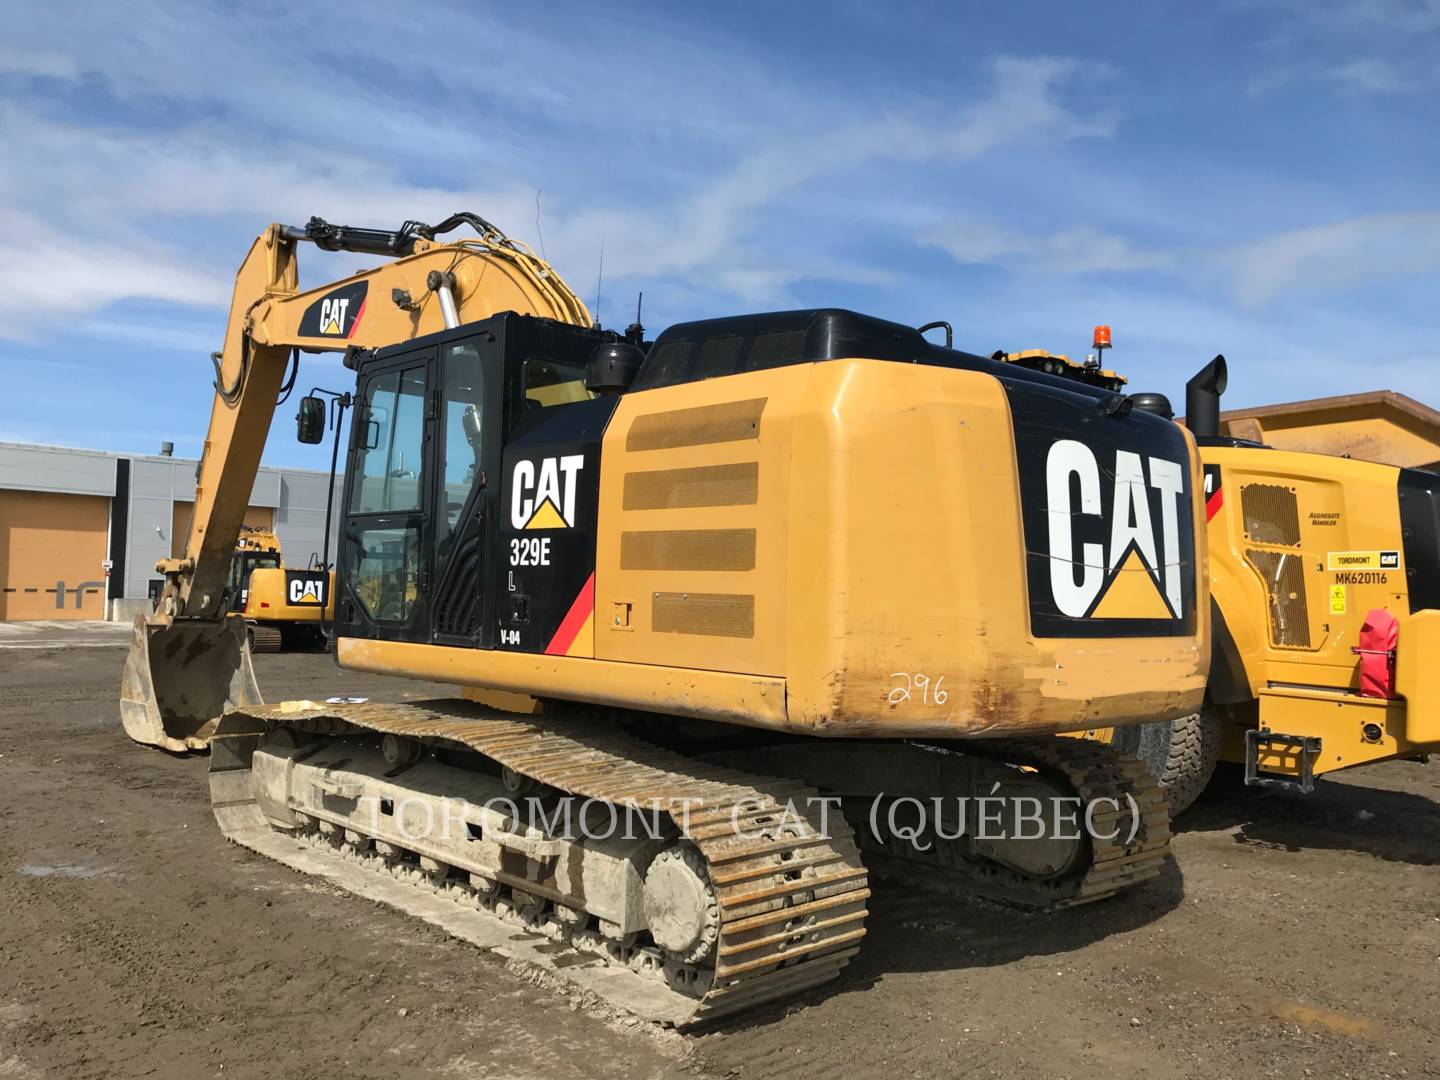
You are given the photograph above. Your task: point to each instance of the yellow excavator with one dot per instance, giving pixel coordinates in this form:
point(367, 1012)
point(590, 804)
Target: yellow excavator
point(284, 608)
point(1325, 592)
point(788, 587)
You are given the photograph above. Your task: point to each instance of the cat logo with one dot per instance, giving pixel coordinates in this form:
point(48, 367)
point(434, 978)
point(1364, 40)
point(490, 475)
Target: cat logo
point(337, 313)
point(1363, 560)
point(542, 493)
point(304, 590)
point(332, 315)
point(1130, 567)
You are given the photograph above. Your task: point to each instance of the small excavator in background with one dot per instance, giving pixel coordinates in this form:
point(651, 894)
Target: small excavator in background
point(1325, 589)
point(284, 608)
point(764, 568)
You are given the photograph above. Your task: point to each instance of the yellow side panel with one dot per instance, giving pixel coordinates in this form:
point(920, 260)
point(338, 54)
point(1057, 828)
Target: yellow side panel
point(690, 570)
point(50, 542)
point(1417, 677)
point(1283, 518)
point(1341, 725)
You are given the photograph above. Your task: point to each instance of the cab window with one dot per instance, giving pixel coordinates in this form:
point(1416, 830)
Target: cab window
point(391, 442)
point(553, 382)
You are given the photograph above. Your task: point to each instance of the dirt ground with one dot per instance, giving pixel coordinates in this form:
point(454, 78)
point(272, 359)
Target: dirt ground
point(1291, 937)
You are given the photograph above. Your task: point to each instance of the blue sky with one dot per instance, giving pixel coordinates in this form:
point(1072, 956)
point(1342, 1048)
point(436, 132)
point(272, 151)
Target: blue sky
point(1253, 177)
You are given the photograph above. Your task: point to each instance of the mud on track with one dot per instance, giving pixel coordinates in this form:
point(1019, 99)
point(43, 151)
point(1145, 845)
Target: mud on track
point(1291, 935)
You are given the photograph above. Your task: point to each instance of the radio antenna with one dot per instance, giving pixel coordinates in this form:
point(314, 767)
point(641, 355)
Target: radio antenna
point(599, 280)
point(635, 332)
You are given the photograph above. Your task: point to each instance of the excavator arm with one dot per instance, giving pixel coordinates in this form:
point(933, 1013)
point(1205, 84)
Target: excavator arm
point(188, 660)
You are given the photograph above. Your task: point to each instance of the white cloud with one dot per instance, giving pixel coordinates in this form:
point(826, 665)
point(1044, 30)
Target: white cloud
point(16, 59)
point(1364, 248)
point(1070, 251)
point(46, 274)
point(1367, 248)
point(1370, 75)
point(1380, 47)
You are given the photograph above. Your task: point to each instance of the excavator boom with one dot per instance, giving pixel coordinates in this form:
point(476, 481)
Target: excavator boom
point(190, 650)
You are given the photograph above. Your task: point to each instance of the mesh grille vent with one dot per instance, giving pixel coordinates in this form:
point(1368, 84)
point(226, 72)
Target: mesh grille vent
point(710, 614)
point(1272, 515)
point(707, 485)
point(688, 549)
point(1284, 575)
point(728, 421)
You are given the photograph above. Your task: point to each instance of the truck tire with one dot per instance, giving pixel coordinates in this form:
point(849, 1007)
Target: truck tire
point(1181, 753)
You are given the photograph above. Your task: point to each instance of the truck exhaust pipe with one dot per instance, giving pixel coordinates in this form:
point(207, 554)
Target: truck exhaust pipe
point(1202, 398)
point(181, 677)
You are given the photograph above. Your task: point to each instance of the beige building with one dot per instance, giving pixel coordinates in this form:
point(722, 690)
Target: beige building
point(80, 530)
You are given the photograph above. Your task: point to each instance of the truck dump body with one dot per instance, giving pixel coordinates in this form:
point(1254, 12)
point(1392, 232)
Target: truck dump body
point(1378, 425)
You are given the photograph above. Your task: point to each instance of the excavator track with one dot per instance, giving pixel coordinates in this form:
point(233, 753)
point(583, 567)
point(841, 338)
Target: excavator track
point(1125, 844)
point(1129, 842)
point(264, 639)
point(789, 889)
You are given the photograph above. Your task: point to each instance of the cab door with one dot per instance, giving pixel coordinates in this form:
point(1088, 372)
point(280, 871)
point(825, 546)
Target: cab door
point(385, 559)
point(469, 415)
point(419, 521)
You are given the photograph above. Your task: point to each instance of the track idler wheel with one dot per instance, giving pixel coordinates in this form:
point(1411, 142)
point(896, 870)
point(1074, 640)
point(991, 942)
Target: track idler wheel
point(680, 905)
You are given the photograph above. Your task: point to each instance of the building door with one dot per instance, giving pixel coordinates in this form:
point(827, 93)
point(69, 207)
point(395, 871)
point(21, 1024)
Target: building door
point(52, 552)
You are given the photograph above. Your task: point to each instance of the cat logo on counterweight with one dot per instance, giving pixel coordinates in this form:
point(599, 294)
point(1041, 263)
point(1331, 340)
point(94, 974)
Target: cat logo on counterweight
point(1115, 558)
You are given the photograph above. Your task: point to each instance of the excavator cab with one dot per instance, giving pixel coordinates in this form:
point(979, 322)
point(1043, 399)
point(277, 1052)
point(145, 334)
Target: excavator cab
point(424, 507)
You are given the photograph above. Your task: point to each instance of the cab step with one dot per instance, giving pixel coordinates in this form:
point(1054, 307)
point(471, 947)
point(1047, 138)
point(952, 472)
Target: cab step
point(1303, 748)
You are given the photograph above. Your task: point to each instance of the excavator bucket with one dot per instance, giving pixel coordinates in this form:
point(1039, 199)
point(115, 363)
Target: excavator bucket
point(181, 677)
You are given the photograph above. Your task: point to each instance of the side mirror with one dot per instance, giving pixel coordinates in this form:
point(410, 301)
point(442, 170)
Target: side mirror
point(613, 368)
point(474, 427)
point(310, 420)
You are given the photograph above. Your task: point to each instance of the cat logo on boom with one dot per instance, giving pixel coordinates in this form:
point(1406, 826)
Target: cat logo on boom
point(542, 493)
point(1130, 567)
point(332, 315)
point(337, 313)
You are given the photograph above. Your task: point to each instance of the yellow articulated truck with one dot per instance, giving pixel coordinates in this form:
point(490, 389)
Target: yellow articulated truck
point(758, 569)
point(1325, 591)
point(283, 608)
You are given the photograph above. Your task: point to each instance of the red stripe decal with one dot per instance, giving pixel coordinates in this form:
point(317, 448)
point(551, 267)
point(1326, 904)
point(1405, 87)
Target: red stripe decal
point(574, 619)
point(1212, 504)
point(358, 316)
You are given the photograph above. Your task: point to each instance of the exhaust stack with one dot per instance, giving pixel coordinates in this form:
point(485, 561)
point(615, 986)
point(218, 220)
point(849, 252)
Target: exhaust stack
point(1202, 399)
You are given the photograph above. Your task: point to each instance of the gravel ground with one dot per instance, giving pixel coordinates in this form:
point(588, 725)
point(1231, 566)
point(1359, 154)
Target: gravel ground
point(1291, 937)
